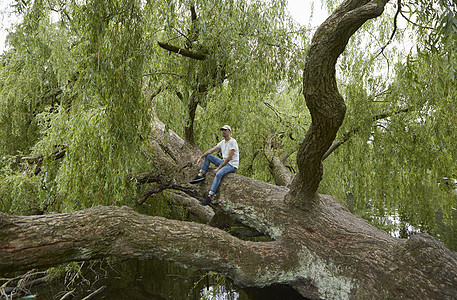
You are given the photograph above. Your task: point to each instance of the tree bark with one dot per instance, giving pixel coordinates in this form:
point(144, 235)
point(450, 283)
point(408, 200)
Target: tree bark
point(320, 90)
point(327, 254)
point(323, 251)
point(183, 52)
point(189, 126)
point(281, 174)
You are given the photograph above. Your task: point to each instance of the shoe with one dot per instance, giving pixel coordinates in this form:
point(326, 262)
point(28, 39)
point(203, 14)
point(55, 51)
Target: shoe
point(197, 179)
point(206, 201)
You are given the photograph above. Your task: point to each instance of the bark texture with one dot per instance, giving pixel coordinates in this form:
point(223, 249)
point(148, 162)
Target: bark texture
point(327, 254)
point(321, 93)
point(323, 251)
point(282, 176)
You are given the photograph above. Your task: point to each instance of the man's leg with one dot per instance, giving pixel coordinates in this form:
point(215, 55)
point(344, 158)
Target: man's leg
point(217, 179)
point(216, 182)
point(210, 159)
point(204, 168)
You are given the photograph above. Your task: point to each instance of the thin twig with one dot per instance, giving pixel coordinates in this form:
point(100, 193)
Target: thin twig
point(416, 24)
point(67, 295)
point(395, 28)
point(92, 295)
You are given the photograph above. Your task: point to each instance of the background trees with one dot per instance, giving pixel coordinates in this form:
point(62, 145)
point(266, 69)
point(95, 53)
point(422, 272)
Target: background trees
point(400, 147)
point(100, 57)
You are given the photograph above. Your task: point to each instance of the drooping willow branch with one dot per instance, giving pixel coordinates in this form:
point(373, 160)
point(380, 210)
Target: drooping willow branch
point(350, 133)
point(414, 23)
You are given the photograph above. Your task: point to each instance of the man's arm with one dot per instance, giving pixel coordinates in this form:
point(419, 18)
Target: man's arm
point(226, 161)
point(212, 150)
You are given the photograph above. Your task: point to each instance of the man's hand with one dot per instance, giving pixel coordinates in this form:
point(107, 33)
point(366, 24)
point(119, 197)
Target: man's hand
point(199, 160)
point(216, 170)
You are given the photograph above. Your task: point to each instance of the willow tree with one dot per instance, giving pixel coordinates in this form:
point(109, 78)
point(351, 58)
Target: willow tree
point(219, 60)
point(318, 247)
point(79, 87)
point(399, 132)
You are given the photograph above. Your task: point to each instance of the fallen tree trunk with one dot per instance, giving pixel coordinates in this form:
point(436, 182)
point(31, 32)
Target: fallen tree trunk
point(323, 253)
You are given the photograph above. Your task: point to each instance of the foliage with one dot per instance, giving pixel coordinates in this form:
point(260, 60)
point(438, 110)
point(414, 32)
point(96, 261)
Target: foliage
point(252, 50)
point(28, 84)
point(403, 127)
point(77, 82)
point(19, 194)
point(76, 71)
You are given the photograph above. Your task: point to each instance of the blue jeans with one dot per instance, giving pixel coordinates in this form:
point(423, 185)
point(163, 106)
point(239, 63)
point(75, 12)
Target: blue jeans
point(228, 168)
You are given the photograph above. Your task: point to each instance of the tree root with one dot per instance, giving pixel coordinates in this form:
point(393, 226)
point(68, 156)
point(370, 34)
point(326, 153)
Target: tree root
point(21, 285)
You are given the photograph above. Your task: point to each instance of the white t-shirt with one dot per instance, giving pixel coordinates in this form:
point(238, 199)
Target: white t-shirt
point(225, 147)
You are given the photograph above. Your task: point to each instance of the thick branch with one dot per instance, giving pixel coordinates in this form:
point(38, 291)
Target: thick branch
point(281, 174)
point(189, 125)
point(329, 254)
point(57, 153)
point(183, 52)
point(324, 253)
point(40, 241)
point(37, 159)
point(323, 99)
point(192, 205)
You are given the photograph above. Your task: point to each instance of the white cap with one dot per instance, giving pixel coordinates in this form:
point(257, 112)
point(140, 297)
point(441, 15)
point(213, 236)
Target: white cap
point(226, 127)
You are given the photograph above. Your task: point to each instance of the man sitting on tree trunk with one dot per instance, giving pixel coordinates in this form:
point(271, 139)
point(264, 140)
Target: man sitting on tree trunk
point(229, 163)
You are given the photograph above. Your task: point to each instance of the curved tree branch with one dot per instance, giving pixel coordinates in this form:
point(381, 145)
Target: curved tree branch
point(281, 174)
point(325, 252)
point(329, 254)
point(320, 90)
point(394, 30)
point(414, 23)
point(321, 250)
point(37, 159)
point(104, 231)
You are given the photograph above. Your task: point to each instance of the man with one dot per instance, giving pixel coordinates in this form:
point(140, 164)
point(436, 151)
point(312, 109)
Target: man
point(229, 163)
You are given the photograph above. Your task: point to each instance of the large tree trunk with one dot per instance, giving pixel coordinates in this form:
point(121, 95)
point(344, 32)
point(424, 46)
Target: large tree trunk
point(321, 93)
point(318, 246)
point(327, 253)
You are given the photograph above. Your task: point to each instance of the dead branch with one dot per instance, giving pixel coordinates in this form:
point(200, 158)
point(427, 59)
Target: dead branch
point(95, 293)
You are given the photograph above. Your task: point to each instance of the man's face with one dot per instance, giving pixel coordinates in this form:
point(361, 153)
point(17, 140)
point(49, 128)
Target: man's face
point(225, 132)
